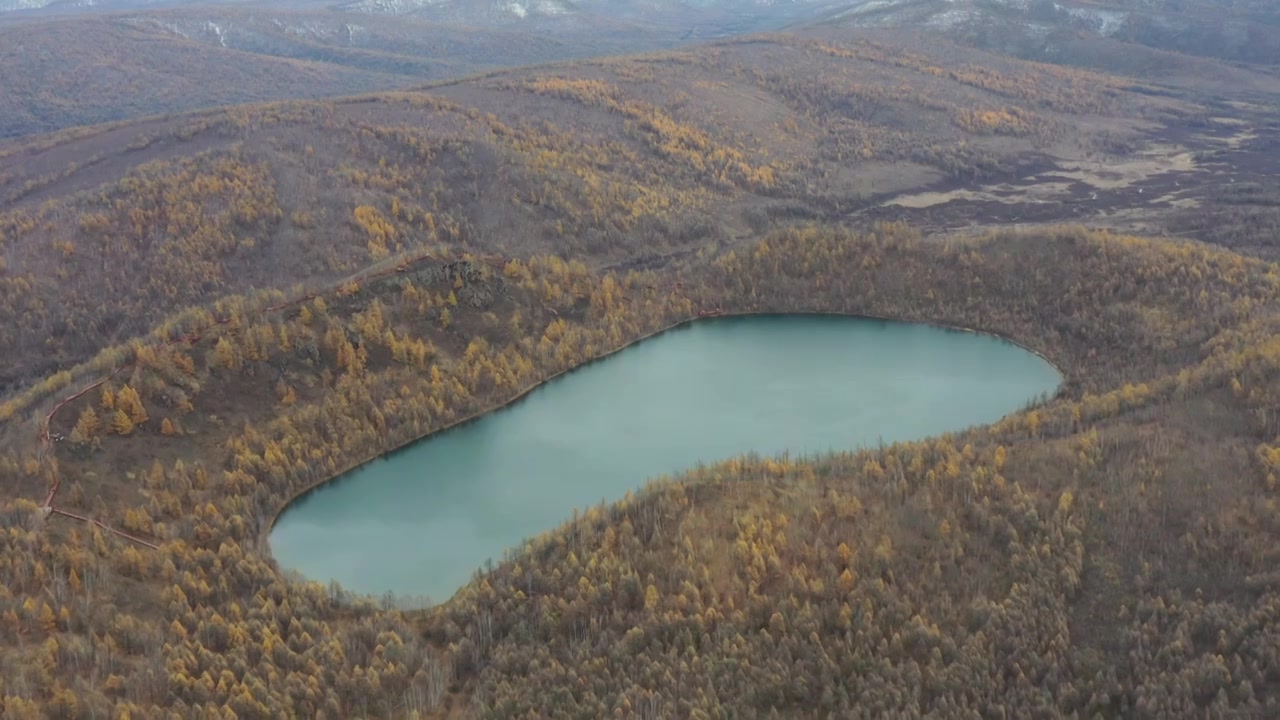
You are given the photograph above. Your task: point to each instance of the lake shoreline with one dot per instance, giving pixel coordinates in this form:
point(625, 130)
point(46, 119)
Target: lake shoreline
point(264, 538)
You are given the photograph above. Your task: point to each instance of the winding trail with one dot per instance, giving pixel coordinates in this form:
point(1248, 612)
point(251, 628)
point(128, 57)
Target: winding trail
point(66, 513)
point(46, 441)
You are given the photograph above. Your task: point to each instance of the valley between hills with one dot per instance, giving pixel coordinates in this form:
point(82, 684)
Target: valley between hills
point(206, 314)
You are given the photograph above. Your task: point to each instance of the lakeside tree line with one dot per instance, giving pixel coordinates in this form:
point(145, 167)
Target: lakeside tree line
point(1108, 553)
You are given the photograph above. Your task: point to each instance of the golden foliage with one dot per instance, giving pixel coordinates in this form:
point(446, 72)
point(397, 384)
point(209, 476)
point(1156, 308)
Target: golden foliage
point(792, 568)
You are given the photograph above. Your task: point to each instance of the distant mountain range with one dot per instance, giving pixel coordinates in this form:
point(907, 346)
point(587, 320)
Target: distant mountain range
point(1245, 30)
point(471, 11)
point(76, 62)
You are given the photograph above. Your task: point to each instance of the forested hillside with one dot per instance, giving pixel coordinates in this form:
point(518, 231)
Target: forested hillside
point(600, 161)
point(207, 315)
point(1004, 570)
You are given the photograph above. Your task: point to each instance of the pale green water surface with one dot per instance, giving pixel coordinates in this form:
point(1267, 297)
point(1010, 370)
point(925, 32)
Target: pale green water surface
point(424, 519)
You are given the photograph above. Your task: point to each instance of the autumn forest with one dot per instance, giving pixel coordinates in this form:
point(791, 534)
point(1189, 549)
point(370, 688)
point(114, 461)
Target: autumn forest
point(206, 315)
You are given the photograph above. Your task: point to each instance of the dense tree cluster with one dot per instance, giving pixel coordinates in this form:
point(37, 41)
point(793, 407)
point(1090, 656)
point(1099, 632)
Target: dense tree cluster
point(1072, 559)
point(168, 232)
point(668, 137)
point(1105, 553)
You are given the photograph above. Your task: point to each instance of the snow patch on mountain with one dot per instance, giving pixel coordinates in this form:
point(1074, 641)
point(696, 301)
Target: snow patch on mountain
point(12, 5)
point(217, 31)
point(952, 18)
point(549, 7)
point(1103, 22)
point(391, 7)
